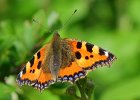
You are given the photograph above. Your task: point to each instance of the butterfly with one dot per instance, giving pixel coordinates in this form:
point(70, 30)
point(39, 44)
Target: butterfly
point(62, 60)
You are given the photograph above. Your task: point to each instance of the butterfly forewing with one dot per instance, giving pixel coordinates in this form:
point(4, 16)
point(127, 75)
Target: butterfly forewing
point(89, 56)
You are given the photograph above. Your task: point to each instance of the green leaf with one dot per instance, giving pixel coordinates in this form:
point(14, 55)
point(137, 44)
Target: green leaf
point(54, 22)
point(126, 90)
point(32, 94)
point(5, 92)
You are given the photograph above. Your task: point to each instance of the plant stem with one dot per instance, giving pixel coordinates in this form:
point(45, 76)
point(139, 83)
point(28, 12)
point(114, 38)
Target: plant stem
point(83, 95)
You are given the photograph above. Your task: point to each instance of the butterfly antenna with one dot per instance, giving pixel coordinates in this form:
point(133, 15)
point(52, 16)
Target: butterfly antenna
point(44, 27)
point(69, 19)
point(34, 20)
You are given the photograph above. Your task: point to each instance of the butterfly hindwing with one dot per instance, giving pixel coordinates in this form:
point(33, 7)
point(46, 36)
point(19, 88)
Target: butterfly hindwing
point(44, 80)
point(89, 56)
point(71, 73)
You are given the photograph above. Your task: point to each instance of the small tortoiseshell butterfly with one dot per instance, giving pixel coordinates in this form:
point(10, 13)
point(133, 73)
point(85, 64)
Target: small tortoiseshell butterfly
point(62, 60)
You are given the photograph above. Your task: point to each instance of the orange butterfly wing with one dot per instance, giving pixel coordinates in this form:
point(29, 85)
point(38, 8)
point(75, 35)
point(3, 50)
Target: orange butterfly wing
point(45, 79)
point(89, 56)
point(33, 72)
point(71, 73)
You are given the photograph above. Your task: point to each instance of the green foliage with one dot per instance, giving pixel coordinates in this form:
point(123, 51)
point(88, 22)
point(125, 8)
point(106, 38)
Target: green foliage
point(25, 26)
point(85, 87)
point(129, 86)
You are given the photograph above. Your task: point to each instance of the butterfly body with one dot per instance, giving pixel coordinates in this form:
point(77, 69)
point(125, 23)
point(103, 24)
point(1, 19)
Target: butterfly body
point(63, 60)
point(59, 55)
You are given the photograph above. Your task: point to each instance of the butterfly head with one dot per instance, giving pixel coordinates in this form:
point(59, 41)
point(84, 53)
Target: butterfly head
point(56, 35)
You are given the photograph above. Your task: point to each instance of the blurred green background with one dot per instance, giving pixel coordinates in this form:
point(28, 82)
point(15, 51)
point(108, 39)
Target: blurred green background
point(111, 24)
